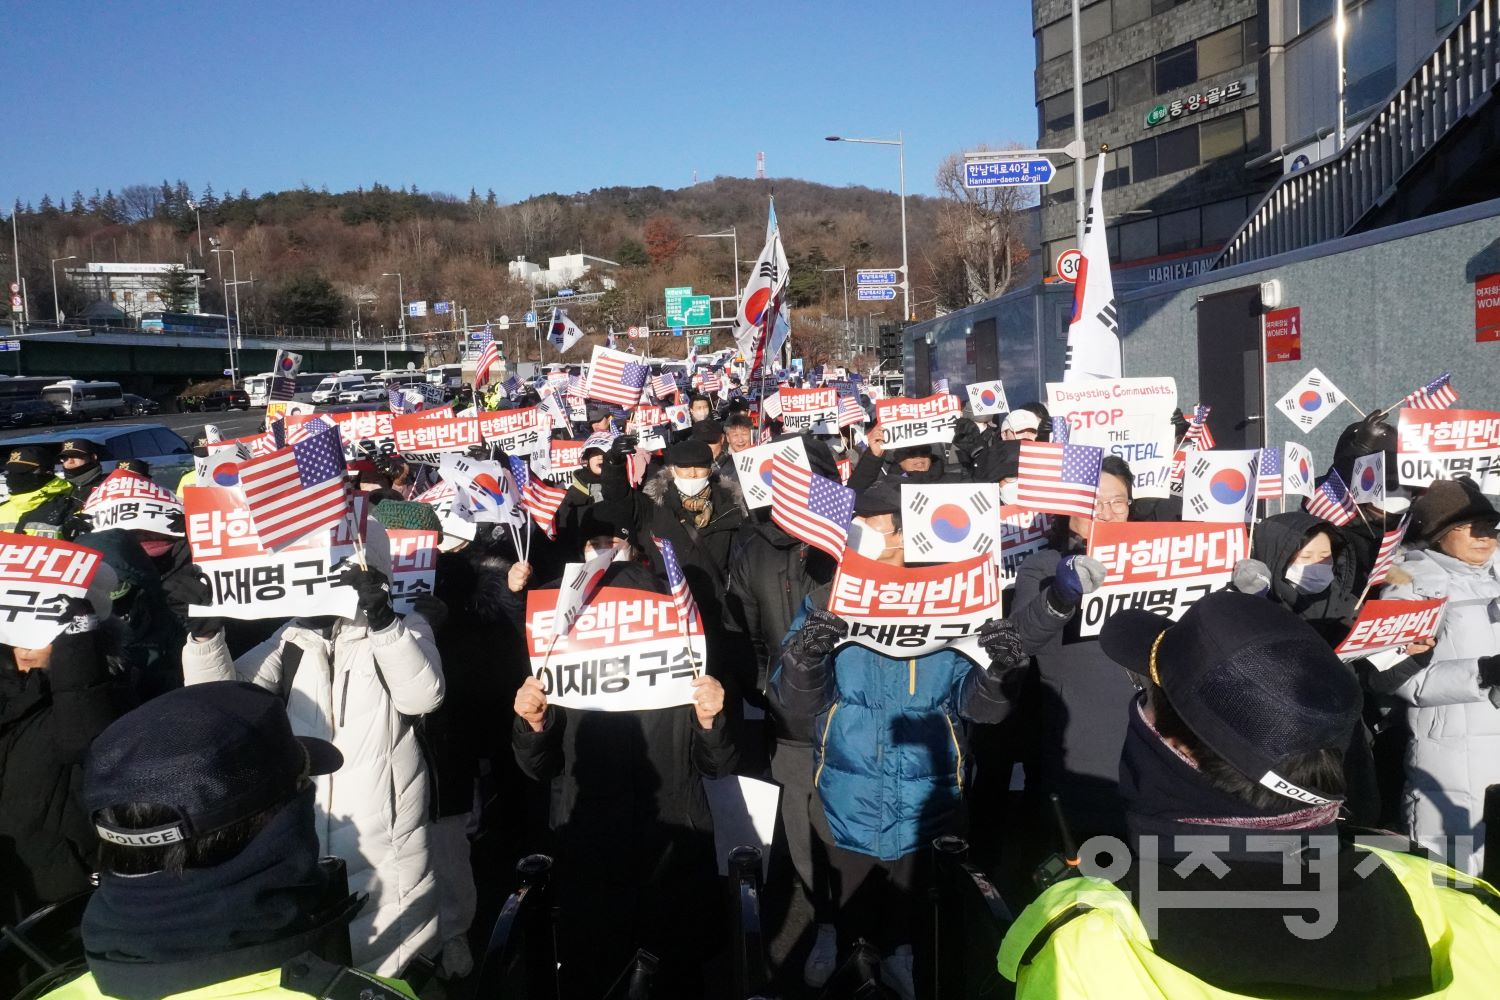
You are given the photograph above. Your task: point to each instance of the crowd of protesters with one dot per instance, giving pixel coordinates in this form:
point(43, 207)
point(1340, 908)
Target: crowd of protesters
point(202, 766)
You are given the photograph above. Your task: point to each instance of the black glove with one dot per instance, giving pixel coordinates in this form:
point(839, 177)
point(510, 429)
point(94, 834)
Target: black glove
point(177, 523)
point(621, 449)
point(197, 590)
point(76, 524)
point(1489, 671)
point(1002, 644)
point(374, 595)
point(820, 632)
point(1374, 433)
point(966, 438)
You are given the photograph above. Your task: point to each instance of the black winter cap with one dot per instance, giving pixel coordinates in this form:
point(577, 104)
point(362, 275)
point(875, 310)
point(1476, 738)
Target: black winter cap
point(692, 453)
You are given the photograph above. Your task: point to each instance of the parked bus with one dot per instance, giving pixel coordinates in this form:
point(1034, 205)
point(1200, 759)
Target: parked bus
point(201, 324)
point(14, 387)
point(86, 400)
point(447, 376)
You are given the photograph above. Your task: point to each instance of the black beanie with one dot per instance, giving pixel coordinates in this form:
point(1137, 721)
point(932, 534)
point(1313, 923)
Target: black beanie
point(691, 453)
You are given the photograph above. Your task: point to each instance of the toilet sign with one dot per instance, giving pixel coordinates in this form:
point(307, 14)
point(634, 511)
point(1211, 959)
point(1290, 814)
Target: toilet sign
point(1283, 334)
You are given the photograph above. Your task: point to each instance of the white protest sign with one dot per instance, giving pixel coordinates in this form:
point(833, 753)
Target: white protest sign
point(516, 432)
point(563, 459)
point(1448, 444)
point(1386, 625)
point(987, 398)
point(753, 466)
point(627, 650)
point(38, 577)
point(905, 612)
point(906, 423)
point(815, 410)
point(949, 522)
point(413, 565)
point(1022, 532)
point(1127, 417)
point(1163, 567)
point(249, 582)
point(133, 502)
point(579, 581)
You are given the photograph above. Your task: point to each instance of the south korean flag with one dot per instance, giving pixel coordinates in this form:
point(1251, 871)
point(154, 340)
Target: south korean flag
point(753, 466)
point(1310, 401)
point(950, 522)
point(1219, 486)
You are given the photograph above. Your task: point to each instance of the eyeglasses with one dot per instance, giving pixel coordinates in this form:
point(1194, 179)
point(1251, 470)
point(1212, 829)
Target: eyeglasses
point(1119, 505)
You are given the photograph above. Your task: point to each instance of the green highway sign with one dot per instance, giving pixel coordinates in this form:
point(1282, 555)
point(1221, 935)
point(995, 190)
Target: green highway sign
point(702, 340)
point(686, 309)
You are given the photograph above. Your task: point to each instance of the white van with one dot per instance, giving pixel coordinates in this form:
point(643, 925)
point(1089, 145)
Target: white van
point(79, 400)
point(258, 388)
point(328, 390)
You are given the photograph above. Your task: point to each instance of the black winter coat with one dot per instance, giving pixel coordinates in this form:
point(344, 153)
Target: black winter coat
point(1277, 541)
point(770, 573)
point(48, 718)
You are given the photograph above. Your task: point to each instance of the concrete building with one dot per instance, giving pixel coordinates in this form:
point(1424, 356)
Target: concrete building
point(563, 271)
point(1204, 104)
point(133, 289)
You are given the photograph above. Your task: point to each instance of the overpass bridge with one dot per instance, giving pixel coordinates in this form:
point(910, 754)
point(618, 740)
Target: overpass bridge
point(161, 364)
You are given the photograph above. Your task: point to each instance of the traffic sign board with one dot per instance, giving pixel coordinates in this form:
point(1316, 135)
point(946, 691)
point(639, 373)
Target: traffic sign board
point(564, 292)
point(1008, 172)
point(481, 335)
point(1069, 264)
point(876, 293)
point(10, 345)
point(530, 318)
point(872, 277)
point(504, 322)
point(686, 309)
point(702, 340)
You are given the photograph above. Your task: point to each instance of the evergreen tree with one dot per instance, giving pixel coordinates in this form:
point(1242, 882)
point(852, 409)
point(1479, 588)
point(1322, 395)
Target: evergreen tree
point(76, 208)
point(177, 289)
point(48, 208)
point(110, 208)
point(95, 204)
point(309, 300)
point(208, 202)
point(490, 201)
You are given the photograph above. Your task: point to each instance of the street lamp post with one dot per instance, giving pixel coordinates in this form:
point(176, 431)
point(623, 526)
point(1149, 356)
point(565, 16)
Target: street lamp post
point(230, 334)
point(731, 233)
point(57, 310)
point(900, 143)
point(844, 279)
point(198, 221)
point(400, 301)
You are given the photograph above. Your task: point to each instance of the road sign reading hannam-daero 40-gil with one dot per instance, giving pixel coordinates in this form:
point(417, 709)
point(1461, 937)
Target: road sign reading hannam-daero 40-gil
point(1018, 171)
point(874, 276)
point(876, 293)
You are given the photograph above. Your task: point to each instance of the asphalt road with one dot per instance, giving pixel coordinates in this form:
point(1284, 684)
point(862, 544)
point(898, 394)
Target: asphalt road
point(232, 424)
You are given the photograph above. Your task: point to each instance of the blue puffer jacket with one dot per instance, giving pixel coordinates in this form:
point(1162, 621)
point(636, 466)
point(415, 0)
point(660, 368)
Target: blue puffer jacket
point(888, 738)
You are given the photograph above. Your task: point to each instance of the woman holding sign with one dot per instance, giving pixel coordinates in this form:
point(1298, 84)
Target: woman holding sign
point(1084, 696)
point(1453, 690)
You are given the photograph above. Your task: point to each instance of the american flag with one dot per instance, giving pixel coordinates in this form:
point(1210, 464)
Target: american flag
point(283, 387)
point(1386, 557)
point(851, 414)
point(1059, 478)
point(402, 402)
point(1062, 431)
point(1198, 435)
point(488, 359)
point(295, 491)
point(306, 429)
point(809, 507)
point(615, 378)
point(939, 385)
point(711, 382)
point(663, 386)
point(540, 498)
point(1268, 476)
point(687, 608)
point(1438, 394)
point(511, 386)
point(1331, 501)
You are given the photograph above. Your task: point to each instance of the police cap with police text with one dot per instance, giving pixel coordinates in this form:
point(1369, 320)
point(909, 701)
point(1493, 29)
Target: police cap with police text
point(213, 754)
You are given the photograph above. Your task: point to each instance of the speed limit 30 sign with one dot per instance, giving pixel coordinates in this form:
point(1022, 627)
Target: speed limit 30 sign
point(1069, 263)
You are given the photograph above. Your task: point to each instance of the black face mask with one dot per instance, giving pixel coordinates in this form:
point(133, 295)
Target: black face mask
point(26, 482)
point(82, 472)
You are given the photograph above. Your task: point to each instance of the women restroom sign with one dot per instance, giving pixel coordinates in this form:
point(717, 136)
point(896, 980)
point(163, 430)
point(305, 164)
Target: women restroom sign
point(1284, 334)
point(1487, 309)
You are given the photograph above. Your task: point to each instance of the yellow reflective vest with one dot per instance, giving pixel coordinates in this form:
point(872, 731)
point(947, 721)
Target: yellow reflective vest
point(1104, 951)
point(259, 984)
point(16, 506)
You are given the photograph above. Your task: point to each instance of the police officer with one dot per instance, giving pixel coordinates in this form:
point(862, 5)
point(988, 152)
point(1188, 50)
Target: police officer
point(39, 502)
point(210, 882)
point(81, 468)
point(1237, 880)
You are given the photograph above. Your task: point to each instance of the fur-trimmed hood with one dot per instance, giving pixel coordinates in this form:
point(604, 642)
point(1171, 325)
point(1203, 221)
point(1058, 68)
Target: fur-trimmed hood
point(723, 487)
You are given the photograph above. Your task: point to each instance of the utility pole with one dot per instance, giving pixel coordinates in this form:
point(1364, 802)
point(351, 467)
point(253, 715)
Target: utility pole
point(1079, 182)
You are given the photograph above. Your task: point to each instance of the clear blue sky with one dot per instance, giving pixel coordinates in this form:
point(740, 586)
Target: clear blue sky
point(524, 98)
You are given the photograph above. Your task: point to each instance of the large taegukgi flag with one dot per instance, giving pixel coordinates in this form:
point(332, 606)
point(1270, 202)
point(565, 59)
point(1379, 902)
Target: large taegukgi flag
point(1094, 334)
point(759, 323)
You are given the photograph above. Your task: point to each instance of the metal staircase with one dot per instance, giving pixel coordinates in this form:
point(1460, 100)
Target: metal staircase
point(1331, 198)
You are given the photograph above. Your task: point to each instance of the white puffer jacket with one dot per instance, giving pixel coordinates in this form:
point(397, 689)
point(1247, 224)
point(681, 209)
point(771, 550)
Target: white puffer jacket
point(363, 692)
point(1455, 748)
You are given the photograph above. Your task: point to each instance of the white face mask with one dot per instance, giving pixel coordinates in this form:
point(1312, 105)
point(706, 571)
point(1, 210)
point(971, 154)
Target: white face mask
point(1009, 492)
point(1310, 578)
point(866, 540)
point(835, 445)
point(690, 487)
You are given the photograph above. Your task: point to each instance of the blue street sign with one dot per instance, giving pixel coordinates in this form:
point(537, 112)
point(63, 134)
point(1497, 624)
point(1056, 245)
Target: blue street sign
point(564, 291)
point(864, 277)
point(876, 293)
point(530, 317)
point(481, 335)
point(1019, 172)
point(10, 345)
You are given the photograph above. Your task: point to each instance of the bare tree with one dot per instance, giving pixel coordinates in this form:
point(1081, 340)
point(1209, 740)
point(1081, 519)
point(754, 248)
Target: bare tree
point(978, 231)
point(139, 201)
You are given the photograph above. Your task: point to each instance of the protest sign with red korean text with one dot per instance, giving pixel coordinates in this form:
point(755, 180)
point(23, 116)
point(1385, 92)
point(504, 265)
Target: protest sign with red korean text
point(133, 502)
point(422, 439)
point(1164, 567)
point(1448, 444)
point(815, 410)
point(516, 432)
point(1022, 532)
point(628, 650)
point(1391, 625)
point(249, 582)
point(904, 612)
point(38, 577)
point(413, 565)
point(908, 422)
point(362, 432)
point(563, 459)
